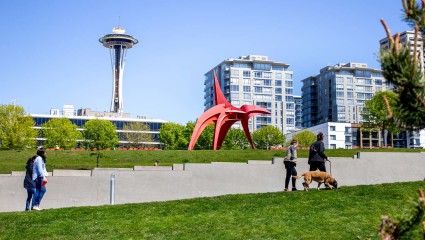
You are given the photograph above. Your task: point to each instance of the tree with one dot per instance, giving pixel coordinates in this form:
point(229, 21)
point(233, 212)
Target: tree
point(172, 135)
point(404, 71)
point(268, 136)
point(60, 132)
point(100, 134)
point(375, 114)
point(235, 139)
point(137, 133)
point(16, 129)
point(305, 138)
point(404, 225)
point(205, 140)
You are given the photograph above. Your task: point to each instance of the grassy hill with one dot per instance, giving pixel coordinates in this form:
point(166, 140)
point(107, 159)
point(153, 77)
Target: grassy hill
point(347, 213)
point(14, 160)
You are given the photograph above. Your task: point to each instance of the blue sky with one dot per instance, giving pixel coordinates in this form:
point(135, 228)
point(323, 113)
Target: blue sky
point(51, 55)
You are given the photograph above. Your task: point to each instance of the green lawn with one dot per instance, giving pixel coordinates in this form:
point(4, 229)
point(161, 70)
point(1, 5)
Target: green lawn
point(347, 213)
point(14, 160)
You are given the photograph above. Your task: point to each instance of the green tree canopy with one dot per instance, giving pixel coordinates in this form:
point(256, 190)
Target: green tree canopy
point(375, 112)
point(137, 134)
point(16, 129)
point(60, 132)
point(267, 137)
point(172, 135)
point(205, 140)
point(305, 138)
point(100, 134)
point(235, 139)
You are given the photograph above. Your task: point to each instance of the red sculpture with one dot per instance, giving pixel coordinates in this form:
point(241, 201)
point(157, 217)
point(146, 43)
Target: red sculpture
point(224, 115)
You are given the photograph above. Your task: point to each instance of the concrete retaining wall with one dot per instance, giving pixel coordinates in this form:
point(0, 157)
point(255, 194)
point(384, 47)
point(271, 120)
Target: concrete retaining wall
point(68, 188)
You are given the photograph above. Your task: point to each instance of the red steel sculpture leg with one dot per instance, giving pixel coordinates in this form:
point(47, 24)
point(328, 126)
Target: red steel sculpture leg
point(224, 115)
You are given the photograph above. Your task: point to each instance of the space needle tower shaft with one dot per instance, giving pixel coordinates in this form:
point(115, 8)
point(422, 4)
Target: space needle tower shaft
point(118, 42)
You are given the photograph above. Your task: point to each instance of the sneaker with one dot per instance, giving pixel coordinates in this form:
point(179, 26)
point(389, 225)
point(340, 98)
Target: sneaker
point(294, 189)
point(36, 208)
point(285, 190)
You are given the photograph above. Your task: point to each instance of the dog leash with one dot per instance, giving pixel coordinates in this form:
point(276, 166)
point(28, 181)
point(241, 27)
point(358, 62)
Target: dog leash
point(330, 167)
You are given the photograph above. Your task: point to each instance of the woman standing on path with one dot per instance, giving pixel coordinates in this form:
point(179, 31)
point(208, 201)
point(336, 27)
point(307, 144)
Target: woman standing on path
point(290, 162)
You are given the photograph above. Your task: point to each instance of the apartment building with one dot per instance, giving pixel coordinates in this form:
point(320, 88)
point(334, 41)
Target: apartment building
point(338, 93)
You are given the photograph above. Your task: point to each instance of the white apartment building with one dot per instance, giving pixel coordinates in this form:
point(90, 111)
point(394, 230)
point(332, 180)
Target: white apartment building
point(336, 135)
point(255, 80)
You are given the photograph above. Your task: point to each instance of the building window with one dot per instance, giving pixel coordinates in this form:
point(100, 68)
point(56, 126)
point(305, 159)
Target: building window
point(247, 96)
point(347, 130)
point(262, 66)
point(278, 90)
point(280, 68)
point(332, 137)
point(247, 73)
point(347, 139)
point(278, 83)
point(290, 106)
point(247, 81)
point(350, 102)
point(267, 75)
point(258, 82)
point(340, 94)
point(258, 74)
point(235, 73)
point(236, 103)
point(247, 88)
point(332, 128)
point(289, 83)
point(290, 121)
point(288, 90)
point(278, 98)
point(332, 146)
point(278, 75)
point(289, 98)
point(258, 89)
point(288, 75)
point(234, 88)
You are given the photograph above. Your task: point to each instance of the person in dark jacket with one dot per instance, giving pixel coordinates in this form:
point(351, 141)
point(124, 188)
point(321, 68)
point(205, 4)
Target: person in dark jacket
point(29, 184)
point(317, 156)
point(39, 174)
point(290, 164)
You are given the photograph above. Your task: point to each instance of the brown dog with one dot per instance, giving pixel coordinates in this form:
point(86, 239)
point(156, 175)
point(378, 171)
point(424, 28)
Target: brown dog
point(319, 177)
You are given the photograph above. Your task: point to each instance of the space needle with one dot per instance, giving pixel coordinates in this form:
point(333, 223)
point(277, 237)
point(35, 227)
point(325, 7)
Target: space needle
point(118, 42)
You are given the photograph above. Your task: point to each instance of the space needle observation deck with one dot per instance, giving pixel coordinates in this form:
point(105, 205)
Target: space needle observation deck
point(118, 42)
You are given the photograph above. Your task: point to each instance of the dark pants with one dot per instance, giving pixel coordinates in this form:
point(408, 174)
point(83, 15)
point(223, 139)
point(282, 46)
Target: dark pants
point(31, 192)
point(317, 165)
point(290, 171)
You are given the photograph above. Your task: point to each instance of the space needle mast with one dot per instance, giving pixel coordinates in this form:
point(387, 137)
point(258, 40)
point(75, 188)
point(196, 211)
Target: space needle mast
point(118, 42)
